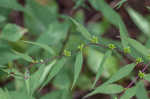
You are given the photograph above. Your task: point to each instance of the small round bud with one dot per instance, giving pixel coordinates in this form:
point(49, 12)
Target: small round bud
point(94, 39)
point(81, 46)
point(139, 60)
point(127, 50)
point(35, 61)
point(141, 74)
point(41, 60)
point(111, 46)
point(67, 53)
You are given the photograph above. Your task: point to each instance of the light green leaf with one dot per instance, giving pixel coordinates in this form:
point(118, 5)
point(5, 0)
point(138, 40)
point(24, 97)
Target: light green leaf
point(23, 56)
point(141, 92)
point(39, 16)
point(129, 93)
point(123, 72)
point(40, 75)
point(107, 89)
point(19, 95)
point(2, 18)
point(147, 77)
point(4, 94)
point(81, 29)
point(120, 3)
point(11, 4)
point(2, 66)
point(46, 71)
point(77, 67)
point(58, 94)
point(139, 47)
point(140, 21)
point(78, 3)
point(101, 68)
point(123, 36)
point(55, 70)
point(46, 47)
point(12, 32)
point(7, 56)
point(112, 16)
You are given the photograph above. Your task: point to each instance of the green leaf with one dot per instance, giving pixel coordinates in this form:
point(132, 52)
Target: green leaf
point(120, 3)
point(54, 94)
point(107, 89)
point(46, 47)
point(2, 18)
point(2, 66)
point(55, 70)
point(141, 92)
point(78, 3)
point(101, 68)
point(140, 21)
point(58, 94)
point(123, 72)
point(139, 47)
point(40, 75)
point(77, 67)
point(124, 36)
point(23, 56)
point(7, 56)
point(147, 77)
point(111, 15)
point(14, 95)
point(4, 94)
point(81, 29)
point(19, 95)
point(129, 93)
point(39, 16)
point(12, 32)
point(11, 4)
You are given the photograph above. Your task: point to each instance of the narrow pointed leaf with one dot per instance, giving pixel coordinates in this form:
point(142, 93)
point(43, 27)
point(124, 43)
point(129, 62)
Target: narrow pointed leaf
point(46, 47)
point(55, 70)
point(11, 4)
point(139, 47)
point(12, 32)
point(140, 21)
point(40, 75)
point(123, 36)
point(81, 29)
point(123, 72)
point(23, 56)
point(141, 92)
point(77, 67)
point(147, 77)
point(107, 89)
point(112, 16)
point(129, 93)
point(100, 69)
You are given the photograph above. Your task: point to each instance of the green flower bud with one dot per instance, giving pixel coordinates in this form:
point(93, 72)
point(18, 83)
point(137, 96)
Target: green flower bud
point(81, 46)
point(127, 50)
point(67, 53)
point(41, 60)
point(139, 60)
point(111, 46)
point(141, 74)
point(94, 39)
point(35, 61)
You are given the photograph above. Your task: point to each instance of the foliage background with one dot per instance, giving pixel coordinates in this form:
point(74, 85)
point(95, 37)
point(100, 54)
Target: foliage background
point(46, 25)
